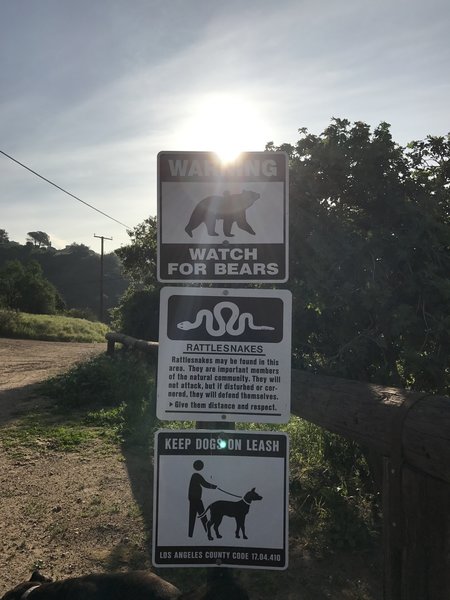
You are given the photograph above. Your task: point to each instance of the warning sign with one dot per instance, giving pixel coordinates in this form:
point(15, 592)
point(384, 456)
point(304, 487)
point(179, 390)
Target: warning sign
point(214, 504)
point(219, 223)
point(224, 354)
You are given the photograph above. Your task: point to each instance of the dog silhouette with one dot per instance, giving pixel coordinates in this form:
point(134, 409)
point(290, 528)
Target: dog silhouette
point(226, 508)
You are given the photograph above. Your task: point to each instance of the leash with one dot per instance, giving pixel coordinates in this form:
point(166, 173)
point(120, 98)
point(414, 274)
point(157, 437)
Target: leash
point(229, 493)
point(225, 492)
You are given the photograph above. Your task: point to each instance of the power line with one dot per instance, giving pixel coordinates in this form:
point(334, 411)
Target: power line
point(63, 190)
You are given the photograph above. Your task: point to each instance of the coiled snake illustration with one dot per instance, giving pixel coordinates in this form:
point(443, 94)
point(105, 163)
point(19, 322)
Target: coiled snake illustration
point(235, 325)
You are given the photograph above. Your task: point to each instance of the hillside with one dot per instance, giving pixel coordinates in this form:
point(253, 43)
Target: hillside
point(75, 272)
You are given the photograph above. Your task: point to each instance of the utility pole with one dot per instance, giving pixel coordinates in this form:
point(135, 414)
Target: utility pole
point(102, 238)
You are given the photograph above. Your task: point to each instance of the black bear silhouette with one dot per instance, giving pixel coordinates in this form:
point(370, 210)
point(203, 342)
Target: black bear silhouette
point(231, 208)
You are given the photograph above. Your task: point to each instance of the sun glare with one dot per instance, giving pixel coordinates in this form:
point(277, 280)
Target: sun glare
point(226, 124)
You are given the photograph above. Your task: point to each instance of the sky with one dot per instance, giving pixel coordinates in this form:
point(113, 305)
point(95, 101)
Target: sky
point(91, 91)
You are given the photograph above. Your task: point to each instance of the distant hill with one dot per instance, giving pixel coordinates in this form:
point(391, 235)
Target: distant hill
point(75, 272)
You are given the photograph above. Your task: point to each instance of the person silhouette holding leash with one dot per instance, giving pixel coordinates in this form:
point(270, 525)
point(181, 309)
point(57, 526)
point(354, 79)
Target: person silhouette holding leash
point(195, 497)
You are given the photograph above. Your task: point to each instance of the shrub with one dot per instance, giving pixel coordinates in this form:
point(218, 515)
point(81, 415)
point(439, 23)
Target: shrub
point(81, 313)
point(334, 506)
point(331, 490)
point(138, 314)
point(50, 327)
point(24, 288)
point(122, 383)
point(9, 320)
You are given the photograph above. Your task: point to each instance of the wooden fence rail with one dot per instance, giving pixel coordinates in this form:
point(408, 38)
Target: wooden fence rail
point(411, 432)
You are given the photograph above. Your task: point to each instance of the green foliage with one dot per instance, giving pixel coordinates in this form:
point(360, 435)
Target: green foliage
point(331, 490)
point(334, 504)
point(49, 327)
point(139, 258)
point(74, 271)
point(9, 322)
point(34, 431)
point(138, 314)
point(369, 256)
point(24, 287)
point(138, 311)
point(4, 238)
point(39, 238)
point(369, 231)
point(81, 313)
point(106, 417)
point(118, 391)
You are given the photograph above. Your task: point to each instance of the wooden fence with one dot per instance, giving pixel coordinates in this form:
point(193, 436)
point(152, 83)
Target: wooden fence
point(410, 432)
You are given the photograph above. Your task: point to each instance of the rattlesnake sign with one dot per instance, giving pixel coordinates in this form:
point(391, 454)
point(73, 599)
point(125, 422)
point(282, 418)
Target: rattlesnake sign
point(224, 355)
point(222, 222)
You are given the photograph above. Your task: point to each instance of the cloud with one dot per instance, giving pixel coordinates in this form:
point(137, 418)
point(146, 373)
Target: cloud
point(90, 95)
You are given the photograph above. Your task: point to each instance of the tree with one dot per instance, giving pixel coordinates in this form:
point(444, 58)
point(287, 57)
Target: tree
point(24, 288)
point(4, 238)
point(74, 271)
point(79, 250)
point(139, 258)
point(39, 239)
point(369, 256)
point(138, 311)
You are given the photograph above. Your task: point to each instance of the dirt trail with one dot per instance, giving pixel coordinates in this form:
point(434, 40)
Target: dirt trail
point(24, 363)
point(68, 513)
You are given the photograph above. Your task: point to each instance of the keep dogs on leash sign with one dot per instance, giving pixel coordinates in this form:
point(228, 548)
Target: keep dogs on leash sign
point(220, 499)
point(222, 223)
point(224, 354)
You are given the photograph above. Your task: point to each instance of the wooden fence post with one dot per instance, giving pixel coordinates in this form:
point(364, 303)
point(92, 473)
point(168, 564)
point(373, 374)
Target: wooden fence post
point(426, 547)
point(111, 345)
point(392, 537)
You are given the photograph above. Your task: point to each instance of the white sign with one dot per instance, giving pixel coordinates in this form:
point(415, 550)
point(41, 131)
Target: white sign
point(214, 502)
point(222, 223)
point(224, 354)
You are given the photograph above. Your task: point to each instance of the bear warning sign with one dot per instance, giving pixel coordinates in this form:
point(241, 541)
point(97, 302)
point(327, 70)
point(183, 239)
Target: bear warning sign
point(222, 222)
